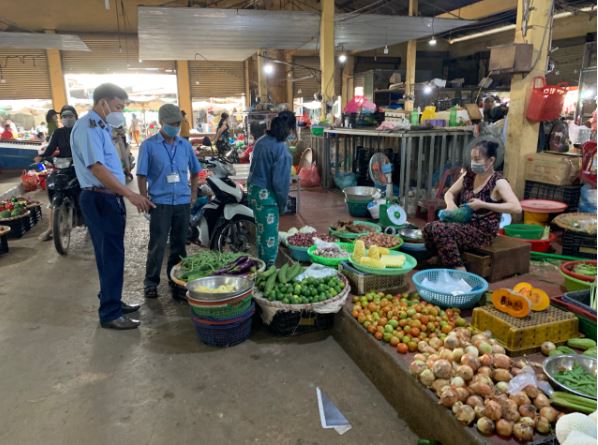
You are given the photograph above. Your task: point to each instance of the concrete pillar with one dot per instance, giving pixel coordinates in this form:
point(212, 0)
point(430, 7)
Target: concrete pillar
point(57, 86)
point(327, 59)
point(247, 84)
point(522, 135)
point(262, 79)
point(348, 83)
point(410, 63)
point(288, 58)
point(183, 84)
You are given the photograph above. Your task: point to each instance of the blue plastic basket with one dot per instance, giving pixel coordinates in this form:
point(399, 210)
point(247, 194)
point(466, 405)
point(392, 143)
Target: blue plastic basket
point(468, 300)
point(299, 254)
point(225, 335)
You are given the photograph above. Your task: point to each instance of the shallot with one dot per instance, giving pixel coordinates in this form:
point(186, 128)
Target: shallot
point(492, 410)
point(527, 410)
point(541, 401)
point(435, 342)
point(462, 393)
point(502, 387)
point(446, 354)
point(549, 413)
point(486, 360)
point(504, 428)
point(442, 369)
point(485, 370)
point(421, 357)
point(427, 377)
point(457, 354)
point(498, 349)
point(501, 375)
point(520, 398)
point(475, 400)
point(481, 389)
point(439, 384)
point(448, 397)
point(470, 361)
point(465, 372)
point(502, 361)
point(472, 350)
point(485, 347)
point(523, 432)
point(456, 407)
point(416, 367)
point(452, 342)
point(532, 391)
point(547, 347)
point(466, 415)
point(485, 425)
point(528, 421)
point(543, 425)
point(510, 411)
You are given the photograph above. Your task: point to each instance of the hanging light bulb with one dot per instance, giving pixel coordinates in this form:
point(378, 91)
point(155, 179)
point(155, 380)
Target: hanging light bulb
point(385, 49)
point(432, 41)
point(342, 58)
point(268, 69)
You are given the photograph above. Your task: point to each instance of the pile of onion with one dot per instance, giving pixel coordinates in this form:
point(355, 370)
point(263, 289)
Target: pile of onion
point(470, 374)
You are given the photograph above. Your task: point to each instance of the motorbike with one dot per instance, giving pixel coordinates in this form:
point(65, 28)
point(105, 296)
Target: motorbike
point(221, 218)
point(64, 190)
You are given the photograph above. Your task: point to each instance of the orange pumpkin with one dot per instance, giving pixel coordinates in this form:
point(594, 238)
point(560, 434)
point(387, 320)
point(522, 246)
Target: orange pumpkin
point(538, 298)
point(509, 302)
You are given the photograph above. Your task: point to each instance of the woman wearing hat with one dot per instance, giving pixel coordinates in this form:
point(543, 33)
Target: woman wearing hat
point(58, 147)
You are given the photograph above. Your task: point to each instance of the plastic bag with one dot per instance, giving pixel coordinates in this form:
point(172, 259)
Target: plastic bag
point(309, 176)
point(317, 271)
point(29, 181)
point(446, 283)
point(527, 378)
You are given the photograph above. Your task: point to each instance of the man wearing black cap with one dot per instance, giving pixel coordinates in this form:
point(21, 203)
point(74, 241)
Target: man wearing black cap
point(166, 162)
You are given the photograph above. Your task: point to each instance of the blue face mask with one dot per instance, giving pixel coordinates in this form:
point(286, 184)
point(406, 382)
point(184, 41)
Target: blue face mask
point(171, 130)
point(291, 139)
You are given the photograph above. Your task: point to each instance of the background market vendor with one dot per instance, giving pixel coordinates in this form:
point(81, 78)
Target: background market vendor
point(487, 193)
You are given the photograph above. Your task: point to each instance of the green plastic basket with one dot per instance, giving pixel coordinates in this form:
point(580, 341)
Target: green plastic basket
point(573, 284)
point(225, 311)
point(353, 236)
point(524, 231)
point(330, 261)
point(317, 131)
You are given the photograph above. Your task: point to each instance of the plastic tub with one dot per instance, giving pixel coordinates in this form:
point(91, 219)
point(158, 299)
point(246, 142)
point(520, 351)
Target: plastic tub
point(538, 245)
point(573, 284)
point(535, 218)
point(524, 231)
point(299, 253)
point(358, 209)
point(568, 267)
point(348, 247)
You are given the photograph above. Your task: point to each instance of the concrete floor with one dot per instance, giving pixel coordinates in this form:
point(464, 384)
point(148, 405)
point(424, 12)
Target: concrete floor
point(64, 380)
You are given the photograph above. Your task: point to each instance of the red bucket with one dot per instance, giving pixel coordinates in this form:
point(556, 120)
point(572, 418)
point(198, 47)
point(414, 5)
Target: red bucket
point(546, 101)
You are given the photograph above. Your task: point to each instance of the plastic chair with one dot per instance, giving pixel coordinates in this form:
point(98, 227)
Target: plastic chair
point(431, 206)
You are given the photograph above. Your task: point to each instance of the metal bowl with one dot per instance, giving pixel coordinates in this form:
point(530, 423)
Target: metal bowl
point(412, 235)
point(360, 193)
point(558, 363)
point(242, 285)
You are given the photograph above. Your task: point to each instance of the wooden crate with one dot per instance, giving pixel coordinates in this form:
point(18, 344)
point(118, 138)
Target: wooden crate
point(526, 334)
point(504, 258)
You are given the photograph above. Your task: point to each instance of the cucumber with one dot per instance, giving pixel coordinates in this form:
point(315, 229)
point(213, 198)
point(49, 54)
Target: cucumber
point(294, 271)
point(581, 343)
point(564, 350)
point(590, 352)
point(270, 283)
point(268, 272)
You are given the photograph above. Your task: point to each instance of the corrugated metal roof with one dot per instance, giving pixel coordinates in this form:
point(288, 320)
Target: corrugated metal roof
point(32, 40)
point(230, 34)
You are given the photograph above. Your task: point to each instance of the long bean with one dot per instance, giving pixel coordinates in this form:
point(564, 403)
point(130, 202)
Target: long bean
point(578, 379)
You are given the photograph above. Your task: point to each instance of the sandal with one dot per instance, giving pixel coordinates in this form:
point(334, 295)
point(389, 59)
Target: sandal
point(150, 293)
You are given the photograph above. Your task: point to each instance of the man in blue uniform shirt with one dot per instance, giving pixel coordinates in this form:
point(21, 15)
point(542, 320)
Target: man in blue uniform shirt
point(166, 163)
point(102, 180)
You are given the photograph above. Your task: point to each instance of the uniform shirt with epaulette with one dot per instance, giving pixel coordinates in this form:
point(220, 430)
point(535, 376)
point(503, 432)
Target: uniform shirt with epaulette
point(91, 143)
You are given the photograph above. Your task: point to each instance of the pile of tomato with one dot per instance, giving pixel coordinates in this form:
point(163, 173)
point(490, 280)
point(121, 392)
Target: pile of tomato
point(403, 320)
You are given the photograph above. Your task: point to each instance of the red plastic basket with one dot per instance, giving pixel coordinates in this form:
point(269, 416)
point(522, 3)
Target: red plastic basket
point(538, 245)
point(567, 269)
point(546, 101)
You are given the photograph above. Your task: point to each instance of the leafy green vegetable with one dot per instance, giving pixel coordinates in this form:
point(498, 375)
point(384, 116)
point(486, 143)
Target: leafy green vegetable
point(204, 263)
point(578, 379)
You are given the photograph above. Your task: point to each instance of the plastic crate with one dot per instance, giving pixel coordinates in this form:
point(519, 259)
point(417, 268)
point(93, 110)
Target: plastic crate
point(587, 322)
point(581, 299)
point(579, 245)
point(290, 323)
point(362, 283)
point(569, 194)
point(525, 334)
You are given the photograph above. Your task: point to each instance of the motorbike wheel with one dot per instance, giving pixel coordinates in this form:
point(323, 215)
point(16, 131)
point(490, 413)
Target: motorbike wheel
point(236, 235)
point(62, 225)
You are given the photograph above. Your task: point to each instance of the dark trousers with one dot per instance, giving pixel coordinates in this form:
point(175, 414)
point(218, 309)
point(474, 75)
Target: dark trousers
point(105, 216)
point(166, 220)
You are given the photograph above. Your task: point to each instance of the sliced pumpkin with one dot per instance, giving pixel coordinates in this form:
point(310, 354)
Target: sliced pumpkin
point(539, 299)
point(523, 288)
point(511, 303)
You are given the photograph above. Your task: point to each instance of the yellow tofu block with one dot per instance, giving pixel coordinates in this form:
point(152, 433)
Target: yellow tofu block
point(384, 251)
point(392, 260)
point(358, 249)
point(374, 252)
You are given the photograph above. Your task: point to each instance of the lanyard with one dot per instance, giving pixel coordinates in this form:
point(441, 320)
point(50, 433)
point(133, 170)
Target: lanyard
point(173, 152)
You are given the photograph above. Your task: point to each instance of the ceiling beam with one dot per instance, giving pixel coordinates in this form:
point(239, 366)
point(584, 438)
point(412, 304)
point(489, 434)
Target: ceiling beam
point(480, 10)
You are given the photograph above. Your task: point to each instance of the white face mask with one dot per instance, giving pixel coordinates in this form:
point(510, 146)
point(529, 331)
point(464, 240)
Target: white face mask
point(115, 119)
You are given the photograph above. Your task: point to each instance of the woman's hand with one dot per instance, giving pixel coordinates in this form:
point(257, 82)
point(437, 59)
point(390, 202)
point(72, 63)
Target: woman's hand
point(476, 204)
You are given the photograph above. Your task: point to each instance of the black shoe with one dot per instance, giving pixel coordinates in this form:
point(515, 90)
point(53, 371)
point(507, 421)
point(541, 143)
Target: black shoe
point(121, 323)
point(178, 295)
point(150, 293)
point(129, 308)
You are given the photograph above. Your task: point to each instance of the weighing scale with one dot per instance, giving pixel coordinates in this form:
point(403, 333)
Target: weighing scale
point(380, 170)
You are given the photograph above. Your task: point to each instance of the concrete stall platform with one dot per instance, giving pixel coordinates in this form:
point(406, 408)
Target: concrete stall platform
point(414, 403)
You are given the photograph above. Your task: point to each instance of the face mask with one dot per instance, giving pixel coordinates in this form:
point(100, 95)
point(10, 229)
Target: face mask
point(291, 139)
point(68, 122)
point(171, 130)
point(115, 118)
point(478, 168)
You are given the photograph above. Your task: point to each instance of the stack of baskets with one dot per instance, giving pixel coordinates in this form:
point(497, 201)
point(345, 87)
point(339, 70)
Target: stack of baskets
point(222, 319)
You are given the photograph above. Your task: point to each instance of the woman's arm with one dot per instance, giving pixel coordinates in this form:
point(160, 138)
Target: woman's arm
point(510, 204)
point(452, 193)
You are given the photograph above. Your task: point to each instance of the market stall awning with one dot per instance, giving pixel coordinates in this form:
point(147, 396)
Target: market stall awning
point(35, 40)
point(235, 34)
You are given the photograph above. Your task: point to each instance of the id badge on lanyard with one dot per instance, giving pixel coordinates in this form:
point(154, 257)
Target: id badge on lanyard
point(173, 177)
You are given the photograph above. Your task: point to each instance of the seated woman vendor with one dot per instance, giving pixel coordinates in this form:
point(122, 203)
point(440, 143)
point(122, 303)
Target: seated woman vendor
point(487, 193)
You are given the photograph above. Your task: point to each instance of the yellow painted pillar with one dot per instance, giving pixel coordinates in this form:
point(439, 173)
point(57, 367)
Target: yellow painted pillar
point(410, 63)
point(57, 86)
point(262, 79)
point(327, 59)
point(247, 85)
point(183, 84)
point(347, 92)
point(522, 135)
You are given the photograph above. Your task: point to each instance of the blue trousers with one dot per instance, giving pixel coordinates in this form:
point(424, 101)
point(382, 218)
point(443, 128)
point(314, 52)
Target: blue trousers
point(105, 216)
